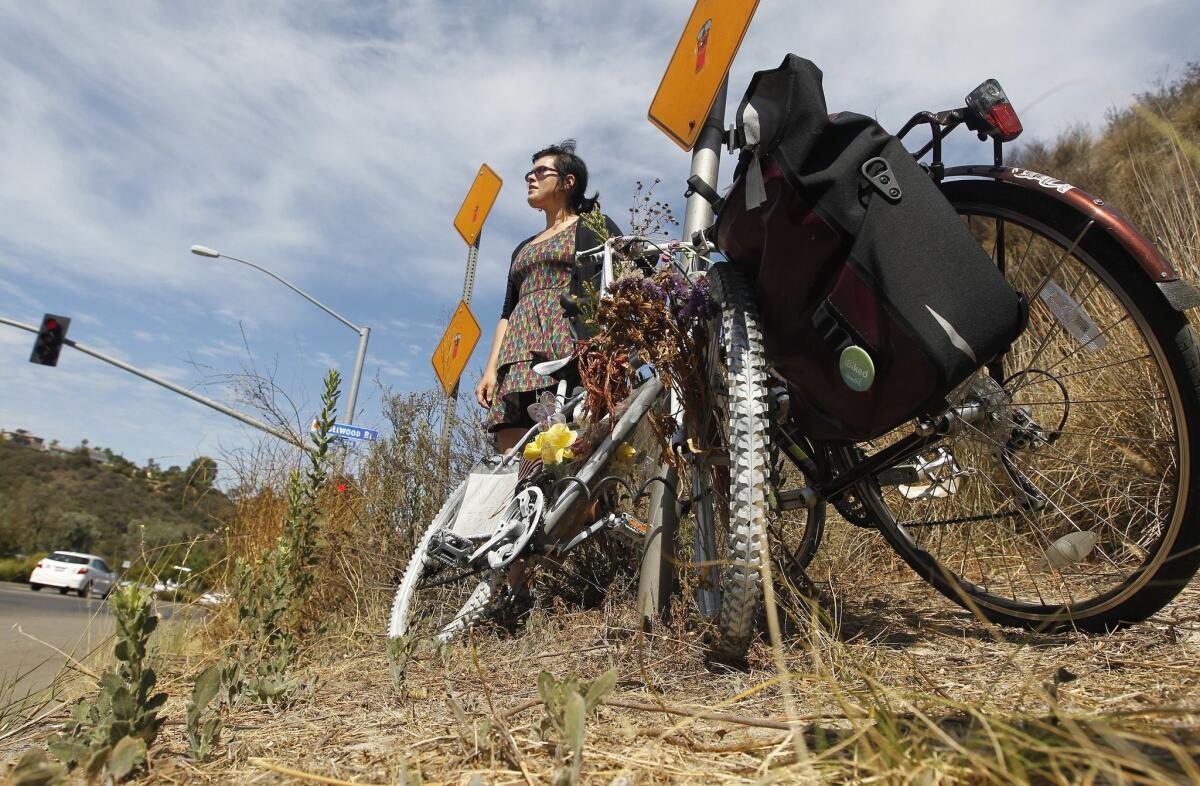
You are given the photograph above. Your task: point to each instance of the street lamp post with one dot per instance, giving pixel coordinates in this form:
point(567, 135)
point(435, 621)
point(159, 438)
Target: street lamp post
point(364, 333)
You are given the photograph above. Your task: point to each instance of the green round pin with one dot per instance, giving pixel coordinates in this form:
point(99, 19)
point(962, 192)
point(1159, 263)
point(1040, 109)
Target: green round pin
point(858, 370)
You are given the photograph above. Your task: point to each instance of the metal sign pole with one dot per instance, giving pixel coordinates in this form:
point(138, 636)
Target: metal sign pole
point(469, 279)
point(706, 161)
point(451, 408)
point(364, 333)
point(654, 583)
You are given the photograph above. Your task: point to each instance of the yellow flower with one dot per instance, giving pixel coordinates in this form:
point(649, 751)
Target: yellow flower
point(555, 444)
point(625, 458)
point(533, 449)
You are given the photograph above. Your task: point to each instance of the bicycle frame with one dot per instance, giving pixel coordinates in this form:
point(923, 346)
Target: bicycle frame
point(581, 484)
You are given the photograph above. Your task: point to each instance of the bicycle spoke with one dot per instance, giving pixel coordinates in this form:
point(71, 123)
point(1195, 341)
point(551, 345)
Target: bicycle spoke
point(1095, 474)
point(1060, 377)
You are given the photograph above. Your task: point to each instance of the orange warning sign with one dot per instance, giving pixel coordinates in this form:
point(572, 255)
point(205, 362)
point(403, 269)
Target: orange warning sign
point(455, 348)
point(474, 210)
point(702, 58)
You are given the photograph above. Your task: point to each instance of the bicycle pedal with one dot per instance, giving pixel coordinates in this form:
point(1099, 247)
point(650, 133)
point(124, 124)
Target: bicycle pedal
point(627, 527)
point(450, 549)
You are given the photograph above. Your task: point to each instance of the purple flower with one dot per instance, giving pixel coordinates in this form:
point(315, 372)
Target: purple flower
point(697, 305)
point(653, 290)
point(675, 286)
point(702, 300)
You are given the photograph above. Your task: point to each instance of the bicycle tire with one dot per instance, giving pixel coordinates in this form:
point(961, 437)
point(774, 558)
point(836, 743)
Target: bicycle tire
point(446, 610)
point(1122, 470)
point(739, 382)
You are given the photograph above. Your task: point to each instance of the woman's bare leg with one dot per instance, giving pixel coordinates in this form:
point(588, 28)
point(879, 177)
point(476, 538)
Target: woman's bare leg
point(518, 576)
point(507, 437)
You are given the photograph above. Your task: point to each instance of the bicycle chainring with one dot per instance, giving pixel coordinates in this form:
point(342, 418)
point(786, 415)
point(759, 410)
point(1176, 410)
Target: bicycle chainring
point(851, 507)
point(514, 529)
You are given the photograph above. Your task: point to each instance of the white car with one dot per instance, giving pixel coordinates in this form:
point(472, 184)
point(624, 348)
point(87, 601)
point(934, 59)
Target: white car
point(213, 598)
point(68, 570)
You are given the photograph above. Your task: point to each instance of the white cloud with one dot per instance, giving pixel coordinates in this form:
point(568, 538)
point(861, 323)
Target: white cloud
point(333, 144)
point(397, 370)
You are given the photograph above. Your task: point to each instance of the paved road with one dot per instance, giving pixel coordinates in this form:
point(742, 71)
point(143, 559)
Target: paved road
point(73, 624)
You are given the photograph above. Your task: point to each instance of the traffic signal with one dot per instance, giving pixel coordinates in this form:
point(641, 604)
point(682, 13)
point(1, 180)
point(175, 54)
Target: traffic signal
point(50, 338)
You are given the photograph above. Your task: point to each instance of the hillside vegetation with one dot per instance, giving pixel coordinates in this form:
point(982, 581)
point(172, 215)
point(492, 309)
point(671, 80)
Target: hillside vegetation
point(1145, 162)
point(114, 509)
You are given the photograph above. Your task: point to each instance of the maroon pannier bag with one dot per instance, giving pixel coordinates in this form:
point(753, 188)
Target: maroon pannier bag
point(875, 299)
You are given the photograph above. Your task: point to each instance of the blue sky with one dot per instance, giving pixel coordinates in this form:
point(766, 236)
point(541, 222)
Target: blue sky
point(333, 143)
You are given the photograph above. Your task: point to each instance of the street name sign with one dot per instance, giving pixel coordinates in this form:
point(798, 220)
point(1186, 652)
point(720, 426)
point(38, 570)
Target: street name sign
point(456, 346)
point(346, 431)
point(475, 207)
point(700, 64)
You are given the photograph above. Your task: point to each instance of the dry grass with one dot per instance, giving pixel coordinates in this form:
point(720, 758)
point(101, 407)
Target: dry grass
point(893, 684)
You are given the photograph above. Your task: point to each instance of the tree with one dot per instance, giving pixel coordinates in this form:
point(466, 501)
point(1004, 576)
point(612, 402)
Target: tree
point(14, 535)
point(202, 473)
point(80, 456)
point(75, 531)
point(35, 504)
point(122, 466)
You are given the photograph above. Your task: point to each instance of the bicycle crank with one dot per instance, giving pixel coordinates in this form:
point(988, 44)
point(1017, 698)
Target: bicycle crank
point(516, 527)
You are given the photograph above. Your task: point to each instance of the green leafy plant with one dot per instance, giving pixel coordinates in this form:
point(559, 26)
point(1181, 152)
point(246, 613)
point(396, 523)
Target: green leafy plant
point(113, 732)
point(568, 702)
point(271, 592)
point(204, 733)
point(233, 683)
point(594, 221)
point(34, 769)
point(399, 650)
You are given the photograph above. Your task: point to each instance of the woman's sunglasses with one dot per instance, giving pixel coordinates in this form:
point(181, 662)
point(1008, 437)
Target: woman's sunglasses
point(540, 173)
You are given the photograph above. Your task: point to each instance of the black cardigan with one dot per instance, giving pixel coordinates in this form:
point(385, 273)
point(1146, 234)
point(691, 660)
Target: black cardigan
point(585, 239)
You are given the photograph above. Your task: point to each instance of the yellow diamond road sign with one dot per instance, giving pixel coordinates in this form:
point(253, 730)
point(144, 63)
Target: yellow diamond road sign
point(474, 210)
point(455, 348)
point(702, 58)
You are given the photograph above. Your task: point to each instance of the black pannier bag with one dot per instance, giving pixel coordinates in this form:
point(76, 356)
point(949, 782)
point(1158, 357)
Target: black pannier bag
point(875, 299)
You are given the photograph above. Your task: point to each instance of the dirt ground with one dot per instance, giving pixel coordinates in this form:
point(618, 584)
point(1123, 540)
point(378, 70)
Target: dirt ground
point(896, 685)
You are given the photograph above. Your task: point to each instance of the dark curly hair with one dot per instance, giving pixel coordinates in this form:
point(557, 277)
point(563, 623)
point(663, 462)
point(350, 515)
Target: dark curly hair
point(567, 163)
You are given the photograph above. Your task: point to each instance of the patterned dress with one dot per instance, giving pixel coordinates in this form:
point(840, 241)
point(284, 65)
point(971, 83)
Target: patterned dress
point(537, 328)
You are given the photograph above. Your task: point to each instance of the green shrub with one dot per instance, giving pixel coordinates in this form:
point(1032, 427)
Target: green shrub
point(112, 732)
point(204, 733)
point(16, 569)
point(270, 592)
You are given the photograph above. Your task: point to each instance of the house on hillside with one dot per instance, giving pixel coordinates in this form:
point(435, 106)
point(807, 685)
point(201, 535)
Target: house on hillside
point(23, 437)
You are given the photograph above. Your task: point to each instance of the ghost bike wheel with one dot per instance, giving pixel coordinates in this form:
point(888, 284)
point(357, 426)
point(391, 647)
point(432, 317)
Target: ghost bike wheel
point(439, 597)
point(1071, 502)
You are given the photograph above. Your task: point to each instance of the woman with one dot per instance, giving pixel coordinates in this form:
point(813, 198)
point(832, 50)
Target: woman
point(533, 327)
